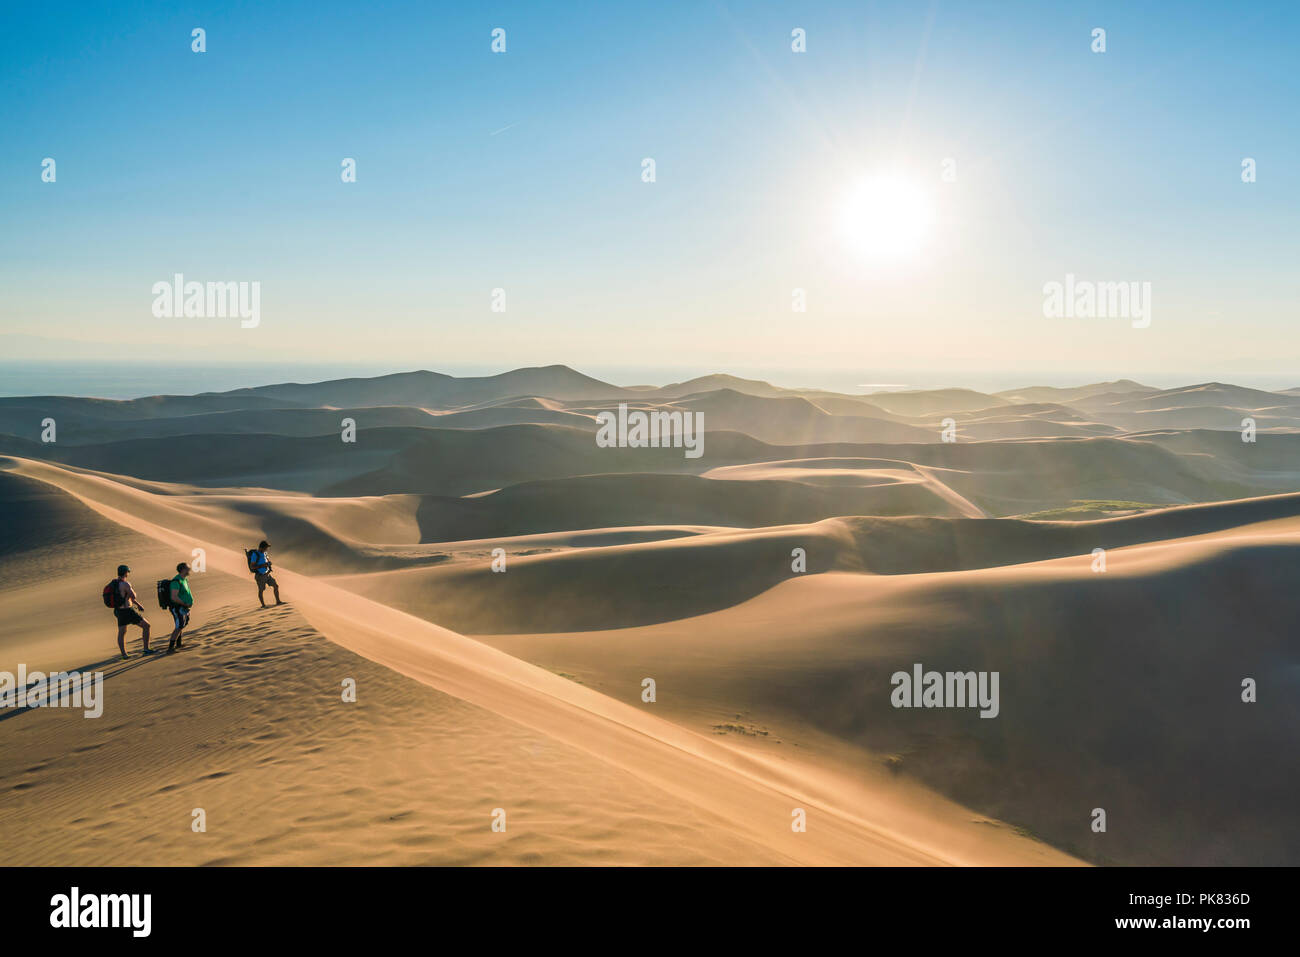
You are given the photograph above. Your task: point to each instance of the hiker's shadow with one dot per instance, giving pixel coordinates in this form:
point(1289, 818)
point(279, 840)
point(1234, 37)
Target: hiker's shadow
point(110, 667)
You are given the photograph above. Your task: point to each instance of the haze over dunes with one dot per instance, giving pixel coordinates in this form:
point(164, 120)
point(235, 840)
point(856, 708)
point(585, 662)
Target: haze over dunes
point(499, 584)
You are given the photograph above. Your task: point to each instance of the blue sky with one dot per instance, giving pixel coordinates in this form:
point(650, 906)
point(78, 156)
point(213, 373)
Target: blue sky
point(522, 171)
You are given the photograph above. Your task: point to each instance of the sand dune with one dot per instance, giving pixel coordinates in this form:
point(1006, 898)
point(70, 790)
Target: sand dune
point(709, 383)
point(1195, 396)
point(433, 389)
point(1055, 394)
point(794, 420)
point(1108, 671)
point(934, 401)
point(1212, 405)
point(614, 500)
point(1210, 417)
point(734, 802)
point(249, 725)
point(595, 581)
point(453, 462)
point(530, 394)
point(770, 587)
point(999, 477)
point(1027, 421)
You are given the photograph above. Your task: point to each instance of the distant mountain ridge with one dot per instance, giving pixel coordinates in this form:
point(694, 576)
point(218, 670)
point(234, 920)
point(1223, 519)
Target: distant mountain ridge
point(436, 389)
point(560, 395)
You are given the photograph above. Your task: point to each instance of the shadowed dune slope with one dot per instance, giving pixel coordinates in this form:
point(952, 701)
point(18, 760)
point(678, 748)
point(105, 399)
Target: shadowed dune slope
point(794, 420)
point(305, 464)
point(998, 478)
point(595, 501)
point(451, 462)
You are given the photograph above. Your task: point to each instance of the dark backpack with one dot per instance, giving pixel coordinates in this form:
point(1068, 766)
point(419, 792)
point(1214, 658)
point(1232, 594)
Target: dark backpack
point(112, 595)
point(251, 555)
point(164, 587)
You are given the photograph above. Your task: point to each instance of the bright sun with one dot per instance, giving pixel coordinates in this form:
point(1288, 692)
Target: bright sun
point(886, 218)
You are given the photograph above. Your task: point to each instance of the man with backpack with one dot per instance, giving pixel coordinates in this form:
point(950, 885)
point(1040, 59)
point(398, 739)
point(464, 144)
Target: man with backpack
point(182, 600)
point(120, 596)
point(259, 563)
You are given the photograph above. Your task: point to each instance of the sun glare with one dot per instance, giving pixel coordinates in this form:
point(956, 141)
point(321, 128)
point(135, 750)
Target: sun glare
point(886, 218)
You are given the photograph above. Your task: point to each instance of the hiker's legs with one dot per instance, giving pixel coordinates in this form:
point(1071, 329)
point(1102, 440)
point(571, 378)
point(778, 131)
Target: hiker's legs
point(261, 587)
point(175, 640)
point(121, 639)
point(276, 587)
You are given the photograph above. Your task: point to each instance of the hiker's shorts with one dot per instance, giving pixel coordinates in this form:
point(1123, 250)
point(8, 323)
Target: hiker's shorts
point(180, 616)
point(266, 579)
point(127, 616)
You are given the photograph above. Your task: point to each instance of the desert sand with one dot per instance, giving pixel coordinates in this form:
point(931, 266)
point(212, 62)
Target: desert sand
point(522, 690)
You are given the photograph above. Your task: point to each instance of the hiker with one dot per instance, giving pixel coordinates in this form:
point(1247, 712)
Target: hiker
point(182, 600)
point(259, 563)
point(120, 596)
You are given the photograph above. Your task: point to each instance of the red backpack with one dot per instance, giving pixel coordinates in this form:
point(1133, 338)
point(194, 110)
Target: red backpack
point(112, 595)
